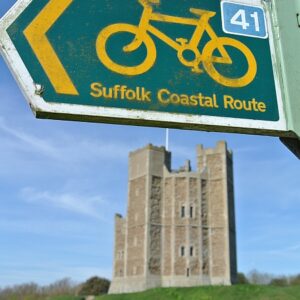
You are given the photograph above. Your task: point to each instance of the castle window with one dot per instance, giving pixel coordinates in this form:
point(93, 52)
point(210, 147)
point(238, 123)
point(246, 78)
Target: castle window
point(191, 212)
point(182, 251)
point(188, 272)
point(191, 251)
point(182, 211)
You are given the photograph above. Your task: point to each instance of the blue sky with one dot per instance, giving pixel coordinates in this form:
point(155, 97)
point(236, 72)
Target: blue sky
point(62, 182)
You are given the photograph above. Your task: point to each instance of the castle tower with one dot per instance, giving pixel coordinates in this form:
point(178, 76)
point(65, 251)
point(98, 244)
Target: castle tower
point(180, 228)
point(219, 236)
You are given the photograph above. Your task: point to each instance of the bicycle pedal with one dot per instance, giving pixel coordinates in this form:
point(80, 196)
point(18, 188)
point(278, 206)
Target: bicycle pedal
point(197, 70)
point(182, 41)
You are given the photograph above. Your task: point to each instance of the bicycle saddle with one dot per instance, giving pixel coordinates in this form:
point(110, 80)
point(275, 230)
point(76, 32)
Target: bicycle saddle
point(201, 12)
point(149, 2)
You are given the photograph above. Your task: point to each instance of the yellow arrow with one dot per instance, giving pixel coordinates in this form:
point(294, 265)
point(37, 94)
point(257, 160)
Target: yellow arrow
point(35, 34)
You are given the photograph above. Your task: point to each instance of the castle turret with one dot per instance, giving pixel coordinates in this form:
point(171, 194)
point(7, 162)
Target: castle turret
point(220, 236)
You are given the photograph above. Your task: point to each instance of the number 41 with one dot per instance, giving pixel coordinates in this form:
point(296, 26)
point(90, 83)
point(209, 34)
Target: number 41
point(240, 19)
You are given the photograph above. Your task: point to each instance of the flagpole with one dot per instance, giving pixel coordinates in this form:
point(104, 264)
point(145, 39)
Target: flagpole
point(167, 139)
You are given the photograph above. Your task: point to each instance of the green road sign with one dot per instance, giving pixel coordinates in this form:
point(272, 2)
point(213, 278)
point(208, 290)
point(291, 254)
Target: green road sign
point(206, 64)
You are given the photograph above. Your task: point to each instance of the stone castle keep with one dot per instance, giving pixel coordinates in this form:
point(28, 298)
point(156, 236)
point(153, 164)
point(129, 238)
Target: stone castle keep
point(180, 225)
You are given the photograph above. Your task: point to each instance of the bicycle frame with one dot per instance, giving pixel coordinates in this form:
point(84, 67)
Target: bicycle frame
point(200, 62)
point(202, 25)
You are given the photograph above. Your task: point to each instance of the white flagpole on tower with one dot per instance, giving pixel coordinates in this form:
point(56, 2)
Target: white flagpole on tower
point(167, 139)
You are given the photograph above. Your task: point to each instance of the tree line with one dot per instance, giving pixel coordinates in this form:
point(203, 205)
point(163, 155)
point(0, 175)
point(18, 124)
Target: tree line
point(64, 287)
point(261, 278)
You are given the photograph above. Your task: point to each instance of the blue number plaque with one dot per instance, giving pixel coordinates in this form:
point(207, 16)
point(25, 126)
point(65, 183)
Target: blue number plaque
point(244, 19)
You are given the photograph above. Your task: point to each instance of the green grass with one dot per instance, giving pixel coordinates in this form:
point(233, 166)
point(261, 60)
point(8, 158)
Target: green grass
point(65, 298)
point(237, 292)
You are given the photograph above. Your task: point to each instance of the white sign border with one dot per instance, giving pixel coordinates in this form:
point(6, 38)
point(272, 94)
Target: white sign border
point(38, 105)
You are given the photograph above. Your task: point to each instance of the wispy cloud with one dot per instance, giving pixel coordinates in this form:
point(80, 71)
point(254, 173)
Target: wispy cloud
point(31, 141)
point(63, 147)
point(90, 206)
point(50, 227)
point(293, 249)
point(290, 252)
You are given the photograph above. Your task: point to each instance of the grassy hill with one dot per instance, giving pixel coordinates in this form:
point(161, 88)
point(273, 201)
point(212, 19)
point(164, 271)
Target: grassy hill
point(64, 298)
point(238, 292)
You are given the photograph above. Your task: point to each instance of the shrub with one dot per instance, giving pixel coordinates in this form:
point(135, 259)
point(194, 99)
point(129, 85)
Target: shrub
point(295, 280)
point(64, 286)
point(279, 281)
point(95, 286)
point(256, 277)
point(242, 279)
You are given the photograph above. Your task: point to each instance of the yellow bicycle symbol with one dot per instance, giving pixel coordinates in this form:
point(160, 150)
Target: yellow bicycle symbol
point(181, 45)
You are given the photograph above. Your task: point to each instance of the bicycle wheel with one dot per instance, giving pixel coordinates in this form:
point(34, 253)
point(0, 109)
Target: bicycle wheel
point(208, 63)
point(104, 57)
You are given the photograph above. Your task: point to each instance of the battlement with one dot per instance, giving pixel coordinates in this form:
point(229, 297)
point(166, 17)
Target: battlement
point(148, 147)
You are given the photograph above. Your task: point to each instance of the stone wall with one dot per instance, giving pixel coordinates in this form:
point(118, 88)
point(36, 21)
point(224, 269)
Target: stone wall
point(167, 220)
point(205, 228)
point(136, 219)
point(155, 226)
point(217, 164)
point(119, 254)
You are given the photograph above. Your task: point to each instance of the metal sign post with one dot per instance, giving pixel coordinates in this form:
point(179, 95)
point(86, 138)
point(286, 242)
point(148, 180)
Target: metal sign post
point(286, 23)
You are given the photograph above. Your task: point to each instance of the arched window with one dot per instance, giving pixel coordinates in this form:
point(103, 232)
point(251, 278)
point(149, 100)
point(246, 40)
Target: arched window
point(182, 251)
point(191, 212)
point(182, 211)
point(188, 272)
point(191, 251)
